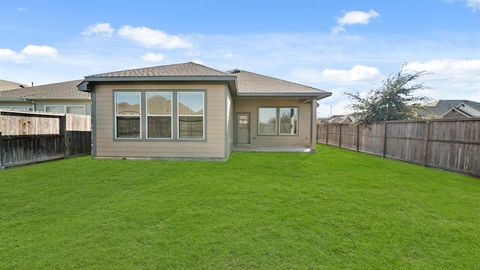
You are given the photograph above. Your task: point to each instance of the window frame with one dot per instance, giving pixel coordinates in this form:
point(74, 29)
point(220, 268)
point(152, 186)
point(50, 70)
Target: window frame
point(277, 115)
point(139, 93)
point(147, 114)
point(177, 117)
point(16, 107)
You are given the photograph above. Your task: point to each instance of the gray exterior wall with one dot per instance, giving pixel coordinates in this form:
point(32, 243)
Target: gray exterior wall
point(213, 147)
point(251, 105)
point(230, 121)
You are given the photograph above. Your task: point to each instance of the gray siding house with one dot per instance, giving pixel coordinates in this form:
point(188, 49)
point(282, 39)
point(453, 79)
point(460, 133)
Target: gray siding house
point(190, 111)
point(62, 97)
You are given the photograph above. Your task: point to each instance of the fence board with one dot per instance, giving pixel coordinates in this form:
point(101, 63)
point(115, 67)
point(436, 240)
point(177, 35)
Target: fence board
point(27, 137)
point(448, 144)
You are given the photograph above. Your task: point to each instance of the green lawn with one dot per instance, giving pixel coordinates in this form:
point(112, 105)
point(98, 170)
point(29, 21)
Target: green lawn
point(334, 209)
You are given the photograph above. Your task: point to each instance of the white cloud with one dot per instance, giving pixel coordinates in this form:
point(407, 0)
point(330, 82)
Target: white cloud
point(40, 51)
point(29, 51)
point(335, 30)
point(456, 69)
point(357, 74)
point(351, 18)
point(357, 17)
point(153, 57)
point(7, 54)
point(474, 4)
point(152, 38)
point(197, 61)
point(99, 29)
point(450, 78)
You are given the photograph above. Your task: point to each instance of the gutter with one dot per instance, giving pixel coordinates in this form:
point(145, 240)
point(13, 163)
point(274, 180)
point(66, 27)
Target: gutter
point(277, 94)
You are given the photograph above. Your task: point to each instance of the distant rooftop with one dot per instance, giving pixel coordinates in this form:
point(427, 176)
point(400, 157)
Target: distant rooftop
point(440, 107)
point(61, 90)
point(9, 85)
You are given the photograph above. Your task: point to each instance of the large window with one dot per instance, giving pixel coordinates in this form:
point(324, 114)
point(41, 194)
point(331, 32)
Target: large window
point(159, 115)
point(288, 121)
point(74, 109)
point(127, 114)
point(278, 121)
point(267, 121)
point(190, 110)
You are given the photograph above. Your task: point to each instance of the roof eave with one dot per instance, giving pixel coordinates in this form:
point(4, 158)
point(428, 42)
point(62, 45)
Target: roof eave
point(85, 85)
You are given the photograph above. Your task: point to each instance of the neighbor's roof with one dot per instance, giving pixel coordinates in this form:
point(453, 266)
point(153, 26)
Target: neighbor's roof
point(8, 85)
point(440, 107)
point(250, 83)
point(182, 69)
point(61, 90)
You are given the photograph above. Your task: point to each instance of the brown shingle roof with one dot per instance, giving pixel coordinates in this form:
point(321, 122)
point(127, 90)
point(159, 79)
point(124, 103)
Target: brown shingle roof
point(8, 85)
point(61, 90)
point(182, 69)
point(244, 82)
point(253, 83)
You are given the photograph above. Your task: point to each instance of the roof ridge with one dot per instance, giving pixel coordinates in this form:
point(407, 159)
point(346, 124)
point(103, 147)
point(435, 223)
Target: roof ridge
point(202, 65)
point(159, 66)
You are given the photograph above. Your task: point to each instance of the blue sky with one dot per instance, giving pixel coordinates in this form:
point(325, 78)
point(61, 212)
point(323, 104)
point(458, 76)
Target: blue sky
point(334, 45)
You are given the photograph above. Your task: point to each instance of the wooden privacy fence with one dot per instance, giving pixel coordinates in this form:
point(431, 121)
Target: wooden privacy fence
point(451, 144)
point(28, 137)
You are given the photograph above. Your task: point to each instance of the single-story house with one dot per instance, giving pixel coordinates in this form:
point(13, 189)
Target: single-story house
point(62, 97)
point(9, 85)
point(450, 108)
point(339, 119)
point(190, 111)
point(467, 109)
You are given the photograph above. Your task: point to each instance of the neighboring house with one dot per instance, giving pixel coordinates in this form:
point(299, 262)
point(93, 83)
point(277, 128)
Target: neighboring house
point(62, 97)
point(450, 109)
point(192, 111)
point(338, 119)
point(8, 85)
point(464, 110)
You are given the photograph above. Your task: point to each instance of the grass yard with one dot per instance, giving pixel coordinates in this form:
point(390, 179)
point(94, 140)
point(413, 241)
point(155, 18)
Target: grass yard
point(334, 209)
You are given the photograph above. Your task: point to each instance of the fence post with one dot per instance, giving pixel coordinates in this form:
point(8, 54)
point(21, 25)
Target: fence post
point(358, 138)
point(326, 139)
point(426, 142)
point(340, 137)
point(63, 134)
point(384, 139)
point(1, 150)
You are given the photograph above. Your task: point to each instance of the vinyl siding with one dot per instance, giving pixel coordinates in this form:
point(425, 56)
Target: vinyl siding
point(212, 147)
point(251, 105)
point(230, 122)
